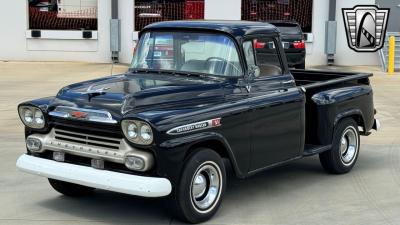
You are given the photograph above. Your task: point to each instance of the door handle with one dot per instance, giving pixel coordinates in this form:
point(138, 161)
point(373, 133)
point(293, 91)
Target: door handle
point(288, 82)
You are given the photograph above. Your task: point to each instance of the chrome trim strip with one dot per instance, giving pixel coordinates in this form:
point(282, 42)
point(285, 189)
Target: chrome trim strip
point(201, 125)
point(88, 135)
point(65, 112)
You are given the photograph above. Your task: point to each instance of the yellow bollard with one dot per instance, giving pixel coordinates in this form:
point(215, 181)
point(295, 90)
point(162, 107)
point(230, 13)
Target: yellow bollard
point(391, 55)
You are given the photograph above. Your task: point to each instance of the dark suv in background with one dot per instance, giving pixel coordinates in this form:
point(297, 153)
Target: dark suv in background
point(293, 42)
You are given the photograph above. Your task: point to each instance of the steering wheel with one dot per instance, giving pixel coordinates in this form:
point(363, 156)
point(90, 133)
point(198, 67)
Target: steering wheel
point(224, 61)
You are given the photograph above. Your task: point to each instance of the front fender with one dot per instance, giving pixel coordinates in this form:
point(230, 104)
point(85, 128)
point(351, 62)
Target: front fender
point(42, 104)
point(173, 152)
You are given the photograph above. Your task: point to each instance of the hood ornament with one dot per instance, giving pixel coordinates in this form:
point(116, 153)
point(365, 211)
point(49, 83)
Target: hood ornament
point(90, 91)
point(96, 92)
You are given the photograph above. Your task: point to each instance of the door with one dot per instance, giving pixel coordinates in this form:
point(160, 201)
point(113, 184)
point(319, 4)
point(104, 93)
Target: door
point(394, 17)
point(276, 105)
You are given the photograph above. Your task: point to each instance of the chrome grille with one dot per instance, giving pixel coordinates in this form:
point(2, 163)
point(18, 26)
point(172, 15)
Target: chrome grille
point(87, 139)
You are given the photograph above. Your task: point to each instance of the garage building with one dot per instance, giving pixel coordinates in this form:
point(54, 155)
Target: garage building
point(84, 30)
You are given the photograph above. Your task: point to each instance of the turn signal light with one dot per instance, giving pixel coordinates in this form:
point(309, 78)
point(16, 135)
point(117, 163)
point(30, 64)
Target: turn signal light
point(33, 144)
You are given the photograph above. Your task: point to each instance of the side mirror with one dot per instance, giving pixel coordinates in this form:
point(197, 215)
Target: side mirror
point(253, 72)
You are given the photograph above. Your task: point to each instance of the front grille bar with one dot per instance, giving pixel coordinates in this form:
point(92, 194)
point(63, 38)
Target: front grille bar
point(87, 139)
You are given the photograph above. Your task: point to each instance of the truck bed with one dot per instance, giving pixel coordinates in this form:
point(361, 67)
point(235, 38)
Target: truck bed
point(310, 79)
point(329, 94)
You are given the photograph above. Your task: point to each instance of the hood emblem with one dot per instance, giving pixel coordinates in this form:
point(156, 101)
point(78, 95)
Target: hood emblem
point(216, 122)
point(66, 112)
point(78, 114)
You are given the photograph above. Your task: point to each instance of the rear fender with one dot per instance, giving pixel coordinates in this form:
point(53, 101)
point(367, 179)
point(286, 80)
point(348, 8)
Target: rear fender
point(333, 105)
point(356, 114)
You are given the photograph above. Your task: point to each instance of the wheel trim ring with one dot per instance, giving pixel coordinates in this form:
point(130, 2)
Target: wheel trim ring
point(215, 200)
point(348, 154)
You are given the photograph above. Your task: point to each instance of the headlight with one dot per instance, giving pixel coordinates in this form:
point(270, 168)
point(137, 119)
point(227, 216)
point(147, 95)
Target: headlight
point(137, 132)
point(132, 131)
point(145, 132)
point(31, 116)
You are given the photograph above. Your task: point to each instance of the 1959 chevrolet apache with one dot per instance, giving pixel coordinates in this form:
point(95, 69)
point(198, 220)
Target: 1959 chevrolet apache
point(197, 92)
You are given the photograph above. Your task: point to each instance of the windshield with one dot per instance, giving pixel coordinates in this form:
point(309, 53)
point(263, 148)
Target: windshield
point(204, 53)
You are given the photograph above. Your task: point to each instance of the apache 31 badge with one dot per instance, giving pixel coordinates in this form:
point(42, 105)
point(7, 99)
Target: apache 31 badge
point(195, 126)
point(365, 27)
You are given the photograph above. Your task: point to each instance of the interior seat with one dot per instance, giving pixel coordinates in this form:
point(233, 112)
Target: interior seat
point(270, 70)
point(194, 66)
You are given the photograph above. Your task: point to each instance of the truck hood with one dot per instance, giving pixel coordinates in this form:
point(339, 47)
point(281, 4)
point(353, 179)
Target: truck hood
point(130, 92)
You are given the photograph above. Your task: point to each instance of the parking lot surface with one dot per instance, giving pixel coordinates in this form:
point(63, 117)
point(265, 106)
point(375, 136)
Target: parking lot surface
point(297, 193)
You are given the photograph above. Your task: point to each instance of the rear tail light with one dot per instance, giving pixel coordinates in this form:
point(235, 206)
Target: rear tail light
point(299, 44)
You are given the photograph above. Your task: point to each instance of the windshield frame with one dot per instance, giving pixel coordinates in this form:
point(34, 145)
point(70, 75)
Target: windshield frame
point(239, 51)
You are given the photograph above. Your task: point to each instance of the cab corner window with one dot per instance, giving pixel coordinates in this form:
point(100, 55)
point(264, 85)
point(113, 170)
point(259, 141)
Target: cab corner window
point(267, 57)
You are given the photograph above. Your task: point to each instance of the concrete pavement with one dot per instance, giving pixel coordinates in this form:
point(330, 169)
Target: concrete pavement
point(298, 193)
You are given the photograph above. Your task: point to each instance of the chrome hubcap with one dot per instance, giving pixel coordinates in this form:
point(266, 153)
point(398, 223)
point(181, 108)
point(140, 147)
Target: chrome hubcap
point(199, 185)
point(349, 145)
point(206, 186)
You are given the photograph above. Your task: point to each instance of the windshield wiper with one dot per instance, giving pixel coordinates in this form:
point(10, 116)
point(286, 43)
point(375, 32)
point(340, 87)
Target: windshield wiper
point(168, 72)
point(179, 73)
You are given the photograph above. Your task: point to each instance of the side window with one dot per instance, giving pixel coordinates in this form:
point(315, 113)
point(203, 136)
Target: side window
point(267, 57)
point(249, 53)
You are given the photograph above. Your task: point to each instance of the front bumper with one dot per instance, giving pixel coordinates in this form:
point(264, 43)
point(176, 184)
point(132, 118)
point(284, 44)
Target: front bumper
point(101, 179)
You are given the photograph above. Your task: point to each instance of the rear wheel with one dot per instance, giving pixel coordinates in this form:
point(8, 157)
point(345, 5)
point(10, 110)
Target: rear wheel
point(201, 188)
point(345, 148)
point(70, 189)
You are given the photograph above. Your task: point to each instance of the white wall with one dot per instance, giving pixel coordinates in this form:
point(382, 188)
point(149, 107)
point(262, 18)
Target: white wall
point(126, 10)
point(344, 55)
point(15, 46)
point(315, 50)
point(223, 9)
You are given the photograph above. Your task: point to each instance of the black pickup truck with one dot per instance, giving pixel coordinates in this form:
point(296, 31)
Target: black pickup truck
point(197, 92)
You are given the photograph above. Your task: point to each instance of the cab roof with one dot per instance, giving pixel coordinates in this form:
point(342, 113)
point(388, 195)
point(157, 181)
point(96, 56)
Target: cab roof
point(237, 28)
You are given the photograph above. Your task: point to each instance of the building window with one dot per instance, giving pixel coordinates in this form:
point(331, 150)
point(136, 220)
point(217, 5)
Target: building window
point(62, 14)
point(151, 11)
point(292, 10)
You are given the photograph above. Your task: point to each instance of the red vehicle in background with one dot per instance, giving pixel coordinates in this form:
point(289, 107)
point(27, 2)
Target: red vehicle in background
point(147, 12)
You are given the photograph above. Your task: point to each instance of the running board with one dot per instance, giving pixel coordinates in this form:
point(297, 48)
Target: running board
point(310, 150)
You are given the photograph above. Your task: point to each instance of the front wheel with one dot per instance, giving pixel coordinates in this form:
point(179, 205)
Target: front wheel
point(201, 188)
point(345, 148)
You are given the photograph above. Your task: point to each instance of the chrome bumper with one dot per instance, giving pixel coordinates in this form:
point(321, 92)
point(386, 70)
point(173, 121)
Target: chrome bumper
point(377, 125)
point(102, 179)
